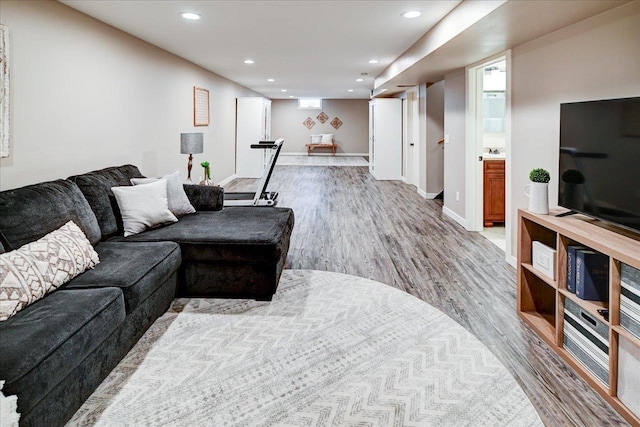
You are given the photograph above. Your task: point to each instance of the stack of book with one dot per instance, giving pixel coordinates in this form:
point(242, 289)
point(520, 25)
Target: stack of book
point(587, 273)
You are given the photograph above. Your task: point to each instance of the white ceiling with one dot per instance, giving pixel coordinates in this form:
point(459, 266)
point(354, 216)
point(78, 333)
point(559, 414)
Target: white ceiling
point(317, 48)
point(310, 48)
point(470, 35)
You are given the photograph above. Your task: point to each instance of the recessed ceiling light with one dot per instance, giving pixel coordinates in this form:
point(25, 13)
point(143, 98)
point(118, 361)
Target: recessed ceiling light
point(359, 79)
point(270, 80)
point(373, 61)
point(283, 90)
point(190, 15)
point(291, 96)
point(249, 61)
point(411, 14)
point(349, 90)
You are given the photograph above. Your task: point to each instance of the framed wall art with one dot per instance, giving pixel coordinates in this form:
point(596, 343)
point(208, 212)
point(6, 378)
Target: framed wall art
point(200, 106)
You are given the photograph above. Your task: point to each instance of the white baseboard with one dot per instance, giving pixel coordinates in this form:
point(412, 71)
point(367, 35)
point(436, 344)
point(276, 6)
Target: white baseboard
point(454, 216)
point(512, 261)
point(425, 195)
point(403, 179)
point(227, 180)
point(292, 153)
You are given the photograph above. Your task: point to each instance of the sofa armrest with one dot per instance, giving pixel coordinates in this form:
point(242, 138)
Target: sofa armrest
point(205, 198)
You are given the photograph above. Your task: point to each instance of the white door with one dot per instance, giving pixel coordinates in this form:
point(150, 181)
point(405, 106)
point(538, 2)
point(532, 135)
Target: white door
point(253, 124)
point(372, 148)
point(407, 153)
point(266, 112)
point(387, 138)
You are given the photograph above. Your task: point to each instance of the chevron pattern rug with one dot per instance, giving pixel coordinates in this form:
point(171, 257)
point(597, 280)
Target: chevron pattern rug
point(329, 350)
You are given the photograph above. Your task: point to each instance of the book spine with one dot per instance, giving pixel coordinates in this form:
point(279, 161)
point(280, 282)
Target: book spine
point(571, 266)
point(578, 282)
point(571, 269)
point(592, 275)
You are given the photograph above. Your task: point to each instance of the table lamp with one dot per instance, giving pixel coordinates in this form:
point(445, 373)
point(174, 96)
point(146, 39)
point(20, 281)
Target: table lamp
point(191, 143)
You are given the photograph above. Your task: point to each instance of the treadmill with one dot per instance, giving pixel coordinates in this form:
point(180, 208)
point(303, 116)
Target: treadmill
point(261, 197)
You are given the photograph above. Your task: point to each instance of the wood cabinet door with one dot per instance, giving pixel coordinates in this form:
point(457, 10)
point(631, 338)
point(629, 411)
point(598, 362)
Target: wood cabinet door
point(494, 192)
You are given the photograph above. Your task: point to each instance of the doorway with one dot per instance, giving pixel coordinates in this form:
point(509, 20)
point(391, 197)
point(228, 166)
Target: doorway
point(488, 149)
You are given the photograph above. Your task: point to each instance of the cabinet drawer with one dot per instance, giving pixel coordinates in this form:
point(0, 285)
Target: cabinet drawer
point(494, 165)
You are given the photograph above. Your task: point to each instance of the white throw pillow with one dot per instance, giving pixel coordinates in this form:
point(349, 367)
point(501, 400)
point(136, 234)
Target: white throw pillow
point(179, 203)
point(143, 205)
point(327, 138)
point(37, 268)
point(316, 139)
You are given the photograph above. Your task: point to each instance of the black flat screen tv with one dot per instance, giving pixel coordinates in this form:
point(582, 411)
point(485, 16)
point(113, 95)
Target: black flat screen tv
point(600, 160)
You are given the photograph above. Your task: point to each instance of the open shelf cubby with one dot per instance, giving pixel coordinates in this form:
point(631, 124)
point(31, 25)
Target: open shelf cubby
point(542, 300)
point(538, 303)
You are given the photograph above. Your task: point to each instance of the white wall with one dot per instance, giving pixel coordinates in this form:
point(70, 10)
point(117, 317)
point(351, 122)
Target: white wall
point(86, 96)
point(352, 137)
point(454, 150)
point(595, 59)
point(604, 62)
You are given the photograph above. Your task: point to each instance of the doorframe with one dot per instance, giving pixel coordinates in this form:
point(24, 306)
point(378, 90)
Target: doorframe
point(410, 135)
point(405, 139)
point(473, 146)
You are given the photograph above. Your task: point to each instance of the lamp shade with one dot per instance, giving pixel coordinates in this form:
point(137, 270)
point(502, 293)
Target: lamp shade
point(191, 143)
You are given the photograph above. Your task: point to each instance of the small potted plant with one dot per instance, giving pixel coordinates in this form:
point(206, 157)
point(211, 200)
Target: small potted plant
point(538, 191)
point(207, 174)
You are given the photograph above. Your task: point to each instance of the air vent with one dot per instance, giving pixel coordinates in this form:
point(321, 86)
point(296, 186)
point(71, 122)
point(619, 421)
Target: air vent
point(406, 85)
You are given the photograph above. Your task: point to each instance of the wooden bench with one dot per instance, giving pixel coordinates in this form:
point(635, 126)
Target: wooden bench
point(311, 147)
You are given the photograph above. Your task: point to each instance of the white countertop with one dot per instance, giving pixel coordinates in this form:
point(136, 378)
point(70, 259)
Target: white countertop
point(488, 156)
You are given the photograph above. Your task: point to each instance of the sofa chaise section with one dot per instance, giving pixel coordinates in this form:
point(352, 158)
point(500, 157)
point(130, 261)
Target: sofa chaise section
point(235, 252)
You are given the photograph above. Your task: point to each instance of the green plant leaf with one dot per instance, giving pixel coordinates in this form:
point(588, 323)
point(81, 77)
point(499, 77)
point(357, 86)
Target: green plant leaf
point(539, 175)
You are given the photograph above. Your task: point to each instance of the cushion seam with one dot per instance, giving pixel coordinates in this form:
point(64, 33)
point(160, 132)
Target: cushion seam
point(97, 286)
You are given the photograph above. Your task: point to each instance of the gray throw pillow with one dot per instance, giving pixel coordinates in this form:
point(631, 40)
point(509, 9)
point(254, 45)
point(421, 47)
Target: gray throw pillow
point(179, 203)
point(143, 206)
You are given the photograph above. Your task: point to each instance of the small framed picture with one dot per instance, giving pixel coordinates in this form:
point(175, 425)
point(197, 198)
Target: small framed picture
point(200, 106)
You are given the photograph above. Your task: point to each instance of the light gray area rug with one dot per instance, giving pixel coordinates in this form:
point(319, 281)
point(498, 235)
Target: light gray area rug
point(329, 350)
point(316, 160)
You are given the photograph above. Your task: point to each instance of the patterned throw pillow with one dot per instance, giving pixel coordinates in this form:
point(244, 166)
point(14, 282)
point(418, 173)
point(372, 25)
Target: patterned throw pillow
point(37, 268)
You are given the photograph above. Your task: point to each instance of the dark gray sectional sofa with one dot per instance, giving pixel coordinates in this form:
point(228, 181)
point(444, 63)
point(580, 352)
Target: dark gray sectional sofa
point(55, 352)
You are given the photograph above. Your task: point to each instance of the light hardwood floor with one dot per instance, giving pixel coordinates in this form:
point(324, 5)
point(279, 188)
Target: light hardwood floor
point(348, 222)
